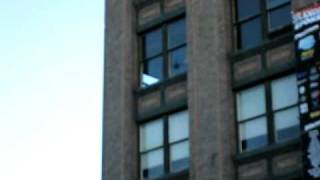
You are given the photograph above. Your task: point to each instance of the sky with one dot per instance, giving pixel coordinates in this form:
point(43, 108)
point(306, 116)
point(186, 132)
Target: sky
point(51, 80)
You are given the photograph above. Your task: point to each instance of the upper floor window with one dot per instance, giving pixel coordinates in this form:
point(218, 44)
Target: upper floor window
point(164, 53)
point(164, 145)
point(259, 19)
point(268, 113)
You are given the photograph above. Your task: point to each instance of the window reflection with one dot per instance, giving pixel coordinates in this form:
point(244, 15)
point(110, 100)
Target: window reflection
point(152, 164)
point(253, 134)
point(284, 100)
point(178, 61)
point(179, 154)
point(254, 119)
point(248, 8)
point(279, 17)
point(153, 43)
point(287, 124)
point(176, 33)
point(251, 33)
point(164, 53)
point(258, 20)
point(152, 72)
point(164, 145)
point(274, 3)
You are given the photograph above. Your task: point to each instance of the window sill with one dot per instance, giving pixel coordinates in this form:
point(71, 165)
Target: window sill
point(268, 151)
point(265, 75)
point(143, 3)
point(240, 54)
point(182, 175)
point(280, 30)
point(162, 84)
point(165, 17)
point(295, 175)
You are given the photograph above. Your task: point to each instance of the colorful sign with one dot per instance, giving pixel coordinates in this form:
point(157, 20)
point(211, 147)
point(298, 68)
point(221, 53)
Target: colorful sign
point(306, 23)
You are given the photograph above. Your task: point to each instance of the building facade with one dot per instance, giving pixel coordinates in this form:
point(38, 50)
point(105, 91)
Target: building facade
point(201, 90)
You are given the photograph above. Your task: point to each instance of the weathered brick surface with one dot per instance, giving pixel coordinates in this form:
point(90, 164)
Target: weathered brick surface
point(120, 129)
point(253, 171)
point(170, 5)
point(209, 90)
point(247, 67)
point(280, 56)
point(286, 163)
point(149, 13)
point(149, 102)
point(176, 92)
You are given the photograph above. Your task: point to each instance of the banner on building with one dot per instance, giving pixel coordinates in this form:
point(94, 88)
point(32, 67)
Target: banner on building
point(306, 24)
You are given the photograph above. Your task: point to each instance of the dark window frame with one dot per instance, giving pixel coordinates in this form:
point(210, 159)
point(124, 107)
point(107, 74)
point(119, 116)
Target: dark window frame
point(165, 146)
point(269, 114)
point(163, 26)
point(263, 17)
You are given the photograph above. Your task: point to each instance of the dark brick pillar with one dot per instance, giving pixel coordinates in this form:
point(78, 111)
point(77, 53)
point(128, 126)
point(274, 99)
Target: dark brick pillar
point(120, 129)
point(209, 90)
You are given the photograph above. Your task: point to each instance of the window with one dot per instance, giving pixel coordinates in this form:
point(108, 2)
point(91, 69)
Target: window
point(164, 145)
point(284, 108)
point(164, 53)
point(252, 118)
point(258, 19)
point(268, 113)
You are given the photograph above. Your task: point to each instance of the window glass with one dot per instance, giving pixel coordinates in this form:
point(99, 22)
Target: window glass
point(151, 135)
point(284, 92)
point(178, 126)
point(251, 102)
point(177, 33)
point(253, 134)
point(152, 71)
point(164, 53)
point(252, 118)
point(287, 124)
point(178, 61)
point(248, 8)
point(164, 145)
point(152, 164)
point(274, 3)
point(179, 154)
point(279, 17)
point(153, 43)
point(251, 33)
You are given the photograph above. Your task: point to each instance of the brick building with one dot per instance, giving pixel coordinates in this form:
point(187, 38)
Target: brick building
point(201, 90)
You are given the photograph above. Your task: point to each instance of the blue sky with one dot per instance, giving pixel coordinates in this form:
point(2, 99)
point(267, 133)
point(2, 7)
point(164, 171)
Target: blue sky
point(51, 69)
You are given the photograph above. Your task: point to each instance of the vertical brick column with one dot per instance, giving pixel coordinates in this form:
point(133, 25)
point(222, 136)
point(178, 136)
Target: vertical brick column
point(209, 90)
point(120, 129)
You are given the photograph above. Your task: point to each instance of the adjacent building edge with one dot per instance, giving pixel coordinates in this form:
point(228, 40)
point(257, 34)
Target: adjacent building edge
point(215, 72)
